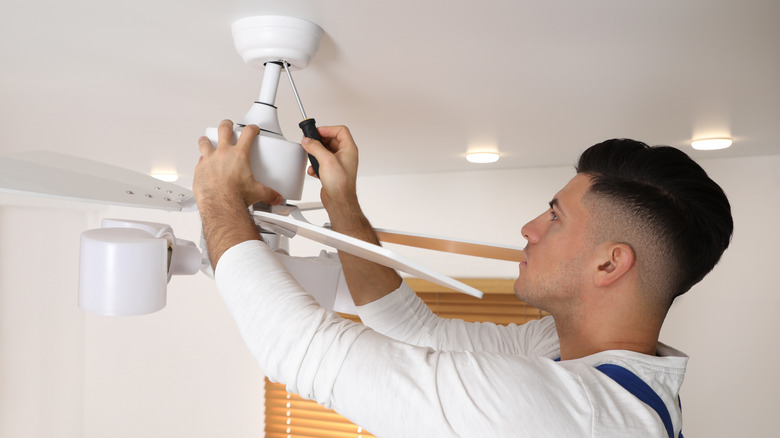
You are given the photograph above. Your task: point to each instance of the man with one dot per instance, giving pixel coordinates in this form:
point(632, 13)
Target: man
point(635, 228)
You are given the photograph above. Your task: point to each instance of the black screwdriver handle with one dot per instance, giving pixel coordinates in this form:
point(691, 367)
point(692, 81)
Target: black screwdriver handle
point(309, 128)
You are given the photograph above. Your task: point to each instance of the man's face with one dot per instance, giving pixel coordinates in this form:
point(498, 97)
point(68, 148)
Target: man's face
point(556, 252)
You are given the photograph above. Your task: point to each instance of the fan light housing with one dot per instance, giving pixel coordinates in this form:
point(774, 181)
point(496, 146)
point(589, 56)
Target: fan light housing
point(125, 266)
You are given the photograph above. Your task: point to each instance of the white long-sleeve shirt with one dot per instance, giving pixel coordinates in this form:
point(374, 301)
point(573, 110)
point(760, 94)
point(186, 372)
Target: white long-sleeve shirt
point(432, 377)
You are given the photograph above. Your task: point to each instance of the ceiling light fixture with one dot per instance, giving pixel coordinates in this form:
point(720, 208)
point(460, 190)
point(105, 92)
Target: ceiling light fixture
point(711, 144)
point(166, 176)
point(482, 157)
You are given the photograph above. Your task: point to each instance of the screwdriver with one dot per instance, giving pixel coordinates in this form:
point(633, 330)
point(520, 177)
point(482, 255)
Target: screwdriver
point(308, 126)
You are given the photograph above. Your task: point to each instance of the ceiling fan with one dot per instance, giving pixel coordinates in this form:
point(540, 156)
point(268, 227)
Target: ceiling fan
point(125, 265)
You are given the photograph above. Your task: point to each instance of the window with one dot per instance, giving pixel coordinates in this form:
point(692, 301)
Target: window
point(289, 416)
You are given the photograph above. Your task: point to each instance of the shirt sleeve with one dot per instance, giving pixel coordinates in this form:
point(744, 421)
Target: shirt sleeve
point(289, 334)
point(389, 387)
point(402, 315)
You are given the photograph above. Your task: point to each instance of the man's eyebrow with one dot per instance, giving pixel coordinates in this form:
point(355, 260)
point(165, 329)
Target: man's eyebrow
point(554, 204)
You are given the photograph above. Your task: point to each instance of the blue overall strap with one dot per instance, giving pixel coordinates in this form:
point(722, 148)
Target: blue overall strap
point(641, 390)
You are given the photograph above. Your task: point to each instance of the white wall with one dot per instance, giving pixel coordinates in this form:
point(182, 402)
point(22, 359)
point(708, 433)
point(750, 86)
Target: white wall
point(41, 328)
point(185, 372)
point(182, 371)
point(729, 324)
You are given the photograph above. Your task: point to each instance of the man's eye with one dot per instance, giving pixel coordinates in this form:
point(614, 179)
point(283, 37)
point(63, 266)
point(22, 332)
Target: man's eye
point(553, 215)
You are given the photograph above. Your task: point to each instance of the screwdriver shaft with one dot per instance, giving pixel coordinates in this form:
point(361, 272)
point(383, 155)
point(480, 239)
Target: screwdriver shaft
point(295, 90)
point(308, 126)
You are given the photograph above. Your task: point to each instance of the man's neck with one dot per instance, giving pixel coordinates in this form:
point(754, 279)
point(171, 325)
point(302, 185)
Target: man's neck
point(583, 337)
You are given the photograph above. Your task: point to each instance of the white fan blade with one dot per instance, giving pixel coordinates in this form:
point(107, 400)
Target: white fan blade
point(77, 179)
point(365, 250)
point(458, 246)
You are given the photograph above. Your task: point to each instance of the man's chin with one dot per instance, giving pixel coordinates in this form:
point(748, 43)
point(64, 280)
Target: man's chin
point(521, 292)
point(518, 289)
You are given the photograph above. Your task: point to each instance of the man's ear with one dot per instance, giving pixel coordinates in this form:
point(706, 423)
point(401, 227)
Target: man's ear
point(613, 262)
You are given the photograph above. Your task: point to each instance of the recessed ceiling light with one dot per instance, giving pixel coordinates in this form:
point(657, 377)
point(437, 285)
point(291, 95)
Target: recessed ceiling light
point(166, 176)
point(482, 157)
point(711, 144)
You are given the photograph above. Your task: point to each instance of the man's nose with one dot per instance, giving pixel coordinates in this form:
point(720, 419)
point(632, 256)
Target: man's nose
point(533, 231)
point(529, 232)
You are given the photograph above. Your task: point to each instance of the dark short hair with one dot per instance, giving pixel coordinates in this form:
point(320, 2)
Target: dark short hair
point(668, 193)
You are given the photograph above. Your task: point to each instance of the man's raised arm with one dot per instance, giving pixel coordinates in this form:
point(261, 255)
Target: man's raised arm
point(224, 187)
point(367, 281)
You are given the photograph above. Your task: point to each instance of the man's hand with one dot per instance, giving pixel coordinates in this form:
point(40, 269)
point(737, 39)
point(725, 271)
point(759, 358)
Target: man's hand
point(224, 187)
point(338, 165)
point(338, 175)
point(226, 172)
point(367, 281)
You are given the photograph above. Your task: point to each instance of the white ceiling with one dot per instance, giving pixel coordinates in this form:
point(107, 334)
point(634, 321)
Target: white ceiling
point(134, 83)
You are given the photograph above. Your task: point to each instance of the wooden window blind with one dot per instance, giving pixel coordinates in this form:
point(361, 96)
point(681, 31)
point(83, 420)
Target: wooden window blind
point(289, 416)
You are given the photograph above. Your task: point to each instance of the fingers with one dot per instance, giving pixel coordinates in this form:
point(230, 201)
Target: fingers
point(228, 167)
point(313, 147)
point(204, 146)
point(225, 133)
point(328, 161)
point(248, 134)
point(317, 150)
point(261, 193)
point(336, 138)
point(226, 137)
